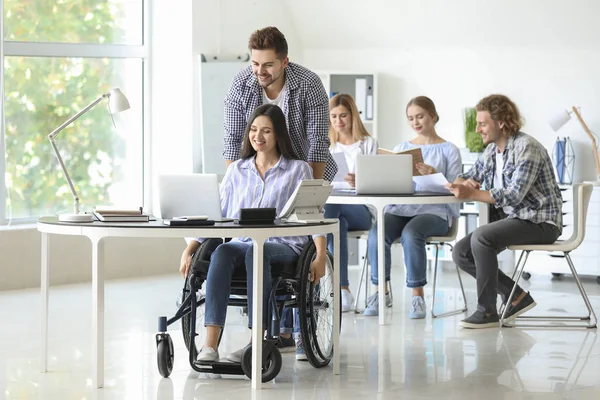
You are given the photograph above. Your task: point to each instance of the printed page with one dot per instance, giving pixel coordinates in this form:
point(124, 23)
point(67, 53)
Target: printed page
point(431, 183)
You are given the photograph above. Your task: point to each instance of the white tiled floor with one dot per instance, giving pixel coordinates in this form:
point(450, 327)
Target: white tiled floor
point(406, 359)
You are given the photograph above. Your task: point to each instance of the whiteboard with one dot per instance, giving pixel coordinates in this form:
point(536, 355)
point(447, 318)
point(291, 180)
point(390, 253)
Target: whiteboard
point(214, 81)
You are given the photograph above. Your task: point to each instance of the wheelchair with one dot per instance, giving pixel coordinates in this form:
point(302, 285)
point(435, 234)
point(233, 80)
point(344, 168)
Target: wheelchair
point(314, 304)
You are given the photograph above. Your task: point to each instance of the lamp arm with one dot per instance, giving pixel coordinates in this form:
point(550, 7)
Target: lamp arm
point(55, 132)
point(592, 138)
point(67, 177)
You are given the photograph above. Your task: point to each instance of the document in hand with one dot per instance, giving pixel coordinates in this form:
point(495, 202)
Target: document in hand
point(343, 170)
point(431, 183)
point(416, 154)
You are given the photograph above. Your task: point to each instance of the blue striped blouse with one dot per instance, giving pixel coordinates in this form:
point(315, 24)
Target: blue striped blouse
point(243, 187)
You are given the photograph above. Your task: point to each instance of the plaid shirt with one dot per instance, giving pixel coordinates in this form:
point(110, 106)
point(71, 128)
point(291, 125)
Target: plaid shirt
point(529, 185)
point(306, 110)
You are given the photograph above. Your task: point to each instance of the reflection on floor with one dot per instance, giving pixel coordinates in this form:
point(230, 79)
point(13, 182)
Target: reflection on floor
point(409, 359)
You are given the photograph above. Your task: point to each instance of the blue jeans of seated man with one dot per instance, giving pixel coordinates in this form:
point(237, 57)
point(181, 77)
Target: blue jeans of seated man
point(352, 217)
point(272, 253)
point(412, 231)
point(223, 262)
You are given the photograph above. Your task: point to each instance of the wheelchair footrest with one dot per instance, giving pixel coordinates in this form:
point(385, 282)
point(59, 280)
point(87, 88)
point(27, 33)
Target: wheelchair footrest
point(218, 367)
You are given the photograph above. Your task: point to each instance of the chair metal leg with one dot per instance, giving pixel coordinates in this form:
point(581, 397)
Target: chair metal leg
point(519, 272)
point(567, 321)
point(503, 306)
point(435, 268)
point(362, 277)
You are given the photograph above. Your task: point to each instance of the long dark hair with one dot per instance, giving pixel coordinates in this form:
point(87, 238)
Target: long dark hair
point(282, 138)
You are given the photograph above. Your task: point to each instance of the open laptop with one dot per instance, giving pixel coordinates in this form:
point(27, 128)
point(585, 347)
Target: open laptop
point(384, 174)
point(190, 195)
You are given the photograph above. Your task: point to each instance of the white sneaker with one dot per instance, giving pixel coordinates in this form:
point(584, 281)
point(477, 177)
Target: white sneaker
point(208, 354)
point(347, 300)
point(373, 304)
point(236, 356)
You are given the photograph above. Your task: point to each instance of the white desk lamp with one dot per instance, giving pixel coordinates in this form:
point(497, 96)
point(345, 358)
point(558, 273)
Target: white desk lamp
point(117, 102)
point(560, 119)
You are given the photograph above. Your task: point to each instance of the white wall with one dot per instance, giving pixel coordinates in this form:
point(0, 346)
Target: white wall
point(542, 54)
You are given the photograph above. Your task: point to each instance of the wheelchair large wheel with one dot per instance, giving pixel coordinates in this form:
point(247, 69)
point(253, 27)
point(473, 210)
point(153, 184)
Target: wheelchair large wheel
point(270, 368)
point(317, 313)
point(194, 345)
point(198, 272)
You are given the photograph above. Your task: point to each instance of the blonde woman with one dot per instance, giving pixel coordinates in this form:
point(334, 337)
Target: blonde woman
point(348, 136)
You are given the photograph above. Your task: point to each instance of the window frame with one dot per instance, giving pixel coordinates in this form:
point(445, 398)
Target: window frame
point(79, 50)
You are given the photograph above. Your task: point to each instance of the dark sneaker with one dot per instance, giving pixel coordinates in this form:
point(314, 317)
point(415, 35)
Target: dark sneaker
point(479, 320)
point(526, 304)
point(286, 345)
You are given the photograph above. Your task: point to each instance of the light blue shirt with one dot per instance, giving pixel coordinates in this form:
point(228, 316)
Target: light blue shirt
point(445, 158)
point(243, 187)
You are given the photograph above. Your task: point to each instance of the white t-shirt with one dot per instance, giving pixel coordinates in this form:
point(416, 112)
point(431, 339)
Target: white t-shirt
point(278, 100)
point(498, 181)
point(366, 146)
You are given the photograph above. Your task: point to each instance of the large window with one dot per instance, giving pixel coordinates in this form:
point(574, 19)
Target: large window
point(59, 56)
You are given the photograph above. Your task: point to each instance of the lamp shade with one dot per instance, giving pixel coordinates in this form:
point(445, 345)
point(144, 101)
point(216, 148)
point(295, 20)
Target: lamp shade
point(117, 101)
point(559, 119)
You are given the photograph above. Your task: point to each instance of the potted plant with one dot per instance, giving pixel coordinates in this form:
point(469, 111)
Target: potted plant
point(472, 138)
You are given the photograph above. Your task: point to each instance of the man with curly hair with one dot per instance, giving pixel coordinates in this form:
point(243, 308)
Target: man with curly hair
point(514, 175)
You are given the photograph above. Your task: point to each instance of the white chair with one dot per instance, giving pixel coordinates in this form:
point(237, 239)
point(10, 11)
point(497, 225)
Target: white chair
point(441, 241)
point(437, 241)
point(581, 198)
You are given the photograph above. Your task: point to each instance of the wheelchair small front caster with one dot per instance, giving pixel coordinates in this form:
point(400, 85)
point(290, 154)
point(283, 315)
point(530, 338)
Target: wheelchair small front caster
point(271, 366)
point(164, 354)
point(526, 275)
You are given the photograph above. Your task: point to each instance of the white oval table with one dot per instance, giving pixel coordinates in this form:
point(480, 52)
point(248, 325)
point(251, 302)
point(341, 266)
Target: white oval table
point(98, 231)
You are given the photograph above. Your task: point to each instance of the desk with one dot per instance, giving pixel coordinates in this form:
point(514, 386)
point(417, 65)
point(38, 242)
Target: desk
point(380, 202)
point(98, 231)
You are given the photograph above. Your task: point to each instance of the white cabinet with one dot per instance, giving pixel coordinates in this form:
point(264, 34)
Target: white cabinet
point(362, 86)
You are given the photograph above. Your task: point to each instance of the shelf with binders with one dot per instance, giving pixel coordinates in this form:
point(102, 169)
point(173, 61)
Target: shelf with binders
point(362, 86)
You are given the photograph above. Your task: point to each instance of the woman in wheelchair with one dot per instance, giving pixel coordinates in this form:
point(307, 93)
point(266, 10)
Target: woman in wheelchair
point(265, 176)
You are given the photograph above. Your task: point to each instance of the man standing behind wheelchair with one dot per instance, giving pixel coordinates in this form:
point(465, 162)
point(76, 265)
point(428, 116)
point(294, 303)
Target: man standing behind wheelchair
point(265, 177)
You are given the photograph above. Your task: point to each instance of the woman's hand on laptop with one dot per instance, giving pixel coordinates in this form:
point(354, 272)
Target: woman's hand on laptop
point(350, 179)
point(425, 169)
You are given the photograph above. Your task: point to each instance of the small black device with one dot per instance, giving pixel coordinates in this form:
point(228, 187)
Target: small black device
point(257, 216)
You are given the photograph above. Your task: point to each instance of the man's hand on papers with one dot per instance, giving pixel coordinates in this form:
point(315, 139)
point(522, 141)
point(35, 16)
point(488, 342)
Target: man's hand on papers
point(425, 169)
point(460, 190)
point(473, 184)
point(350, 179)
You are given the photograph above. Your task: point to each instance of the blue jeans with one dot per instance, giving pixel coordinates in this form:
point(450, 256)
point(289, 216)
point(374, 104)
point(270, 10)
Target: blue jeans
point(352, 217)
point(273, 253)
point(412, 231)
point(223, 262)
